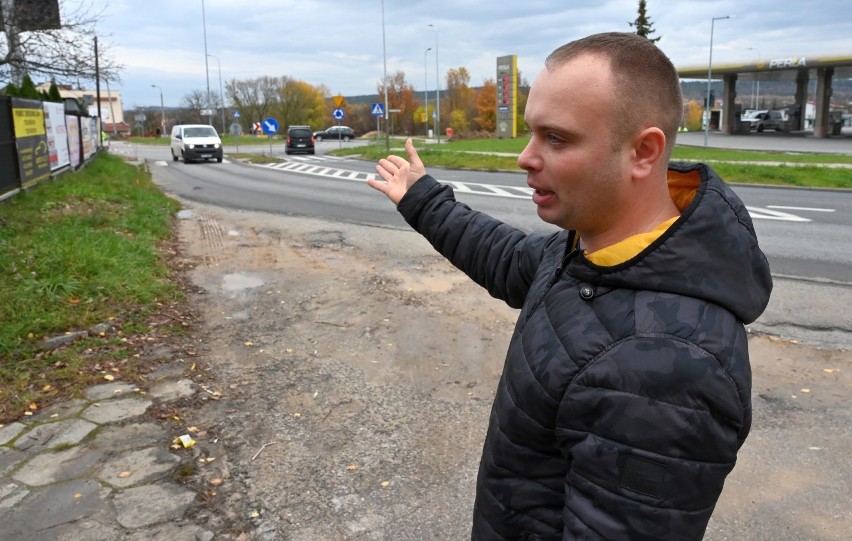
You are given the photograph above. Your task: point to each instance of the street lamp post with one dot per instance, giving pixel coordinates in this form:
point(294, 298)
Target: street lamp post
point(221, 93)
point(385, 79)
point(206, 66)
point(437, 89)
point(709, 76)
point(162, 112)
point(757, 94)
point(426, 91)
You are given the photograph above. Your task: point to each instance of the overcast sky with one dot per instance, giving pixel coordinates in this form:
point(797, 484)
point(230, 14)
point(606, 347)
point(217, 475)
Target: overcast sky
point(338, 43)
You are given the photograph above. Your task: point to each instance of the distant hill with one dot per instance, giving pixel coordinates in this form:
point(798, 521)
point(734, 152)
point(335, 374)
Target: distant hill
point(782, 92)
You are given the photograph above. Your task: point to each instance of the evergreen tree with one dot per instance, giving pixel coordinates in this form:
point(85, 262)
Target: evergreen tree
point(643, 25)
point(53, 94)
point(28, 89)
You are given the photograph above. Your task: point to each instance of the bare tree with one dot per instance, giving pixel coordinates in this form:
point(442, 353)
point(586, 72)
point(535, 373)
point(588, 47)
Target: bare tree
point(253, 98)
point(37, 44)
point(193, 103)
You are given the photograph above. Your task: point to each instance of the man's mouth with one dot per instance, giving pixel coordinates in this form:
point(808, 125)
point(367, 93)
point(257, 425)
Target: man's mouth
point(542, 197)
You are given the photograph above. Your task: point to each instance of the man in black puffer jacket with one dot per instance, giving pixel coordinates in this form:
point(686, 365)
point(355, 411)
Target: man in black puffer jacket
point(625, 394)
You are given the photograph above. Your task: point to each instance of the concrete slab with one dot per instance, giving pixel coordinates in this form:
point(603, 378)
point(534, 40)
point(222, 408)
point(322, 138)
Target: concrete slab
point(172, 532)
point(10, 495)
point(9, 458)
point(56, 412)
point(53, 505)
point(173, 370)
point(152, 504)
point(52, 435)
point(89, 530)
point(48, 468)
point(137, 467)
point(131, 436)
point(111, 411)
point(10, 432)
point(109, 390)
point(173, 390)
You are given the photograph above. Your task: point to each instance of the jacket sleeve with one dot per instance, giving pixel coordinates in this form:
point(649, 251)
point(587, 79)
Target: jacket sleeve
point(498, 257)
point(651, 428)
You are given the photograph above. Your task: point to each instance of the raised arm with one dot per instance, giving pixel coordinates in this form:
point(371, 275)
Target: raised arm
point(398, 173)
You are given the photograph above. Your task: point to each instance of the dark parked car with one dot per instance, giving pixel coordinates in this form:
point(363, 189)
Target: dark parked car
point(299, 139)
point(335, 132)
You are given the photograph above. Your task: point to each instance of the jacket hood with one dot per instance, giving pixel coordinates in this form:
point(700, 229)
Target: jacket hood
point(711, 252)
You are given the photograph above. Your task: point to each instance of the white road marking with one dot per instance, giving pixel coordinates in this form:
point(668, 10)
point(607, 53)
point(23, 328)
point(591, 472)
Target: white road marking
point(513, 192)
point(767, 214)
point(807, 209)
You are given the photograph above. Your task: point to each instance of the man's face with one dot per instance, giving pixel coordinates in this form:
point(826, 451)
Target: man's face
point(577, 176)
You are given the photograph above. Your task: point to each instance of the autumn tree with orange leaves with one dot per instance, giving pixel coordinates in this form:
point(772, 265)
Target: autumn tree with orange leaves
point(486, 106)
point(401, 95)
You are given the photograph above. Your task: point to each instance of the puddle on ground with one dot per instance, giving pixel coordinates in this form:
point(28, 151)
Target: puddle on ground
point(240, 280)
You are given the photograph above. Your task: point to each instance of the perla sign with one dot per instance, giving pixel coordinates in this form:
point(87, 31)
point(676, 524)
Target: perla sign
point(794, 62)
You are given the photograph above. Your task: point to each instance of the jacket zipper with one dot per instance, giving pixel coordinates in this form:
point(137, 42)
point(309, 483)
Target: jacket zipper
point(567, 255)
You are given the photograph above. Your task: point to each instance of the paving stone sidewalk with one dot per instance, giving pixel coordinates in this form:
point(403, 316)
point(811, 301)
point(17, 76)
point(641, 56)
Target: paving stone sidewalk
point(96, 469)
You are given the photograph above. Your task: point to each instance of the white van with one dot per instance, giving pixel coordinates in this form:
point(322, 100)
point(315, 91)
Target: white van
point(196, 142)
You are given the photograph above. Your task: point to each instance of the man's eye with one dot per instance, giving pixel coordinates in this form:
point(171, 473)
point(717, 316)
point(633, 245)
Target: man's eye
point(554, 139)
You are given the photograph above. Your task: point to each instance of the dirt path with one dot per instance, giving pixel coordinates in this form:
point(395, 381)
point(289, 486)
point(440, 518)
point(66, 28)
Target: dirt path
point(355, 370)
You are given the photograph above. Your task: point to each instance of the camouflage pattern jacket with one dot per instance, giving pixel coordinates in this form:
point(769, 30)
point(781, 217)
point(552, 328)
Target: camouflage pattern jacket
point(625, 393)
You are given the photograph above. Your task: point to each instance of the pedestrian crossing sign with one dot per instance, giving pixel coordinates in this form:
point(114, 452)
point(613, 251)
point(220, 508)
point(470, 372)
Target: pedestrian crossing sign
point(378, 109)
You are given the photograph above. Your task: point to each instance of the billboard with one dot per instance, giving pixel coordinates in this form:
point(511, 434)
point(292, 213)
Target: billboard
point(31, 15)
point(31, 141)
point(507, 96)
point(57, 135)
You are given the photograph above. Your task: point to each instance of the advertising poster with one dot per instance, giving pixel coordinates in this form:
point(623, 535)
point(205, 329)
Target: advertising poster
point(57, 135)
point(95, 134)
point(86, 137)
point(30, 141)
point(72, 127)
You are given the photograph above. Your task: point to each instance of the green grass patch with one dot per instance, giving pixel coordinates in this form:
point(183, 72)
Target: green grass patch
point(735, 166)
point(83, 249)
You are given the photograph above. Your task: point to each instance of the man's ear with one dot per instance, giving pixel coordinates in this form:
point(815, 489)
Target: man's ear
point(649, 147)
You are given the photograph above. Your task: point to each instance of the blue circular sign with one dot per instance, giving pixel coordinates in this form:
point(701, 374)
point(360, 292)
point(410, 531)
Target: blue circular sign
point(338, 114)
point(269, 126)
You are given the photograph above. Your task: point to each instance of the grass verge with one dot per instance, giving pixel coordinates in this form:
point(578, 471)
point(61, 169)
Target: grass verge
point(735, 166)
point(87, 249)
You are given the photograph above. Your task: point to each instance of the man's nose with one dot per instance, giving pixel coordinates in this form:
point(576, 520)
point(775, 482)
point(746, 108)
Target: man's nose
point(529, 160)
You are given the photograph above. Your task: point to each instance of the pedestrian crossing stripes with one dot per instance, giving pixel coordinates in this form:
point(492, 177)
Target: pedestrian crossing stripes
point(475, 188)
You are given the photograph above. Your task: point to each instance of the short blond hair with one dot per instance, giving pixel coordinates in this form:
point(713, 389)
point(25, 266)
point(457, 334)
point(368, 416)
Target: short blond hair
point(646, 87)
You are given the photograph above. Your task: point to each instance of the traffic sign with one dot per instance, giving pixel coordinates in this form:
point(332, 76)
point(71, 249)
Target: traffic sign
point(236, 114)
point(338, 101)
point(338, 114)
point(255, 127)
point(378, 109)
point(270, 126)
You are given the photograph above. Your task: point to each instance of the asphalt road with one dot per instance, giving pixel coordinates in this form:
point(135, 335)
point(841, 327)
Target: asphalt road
point(806, 234)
